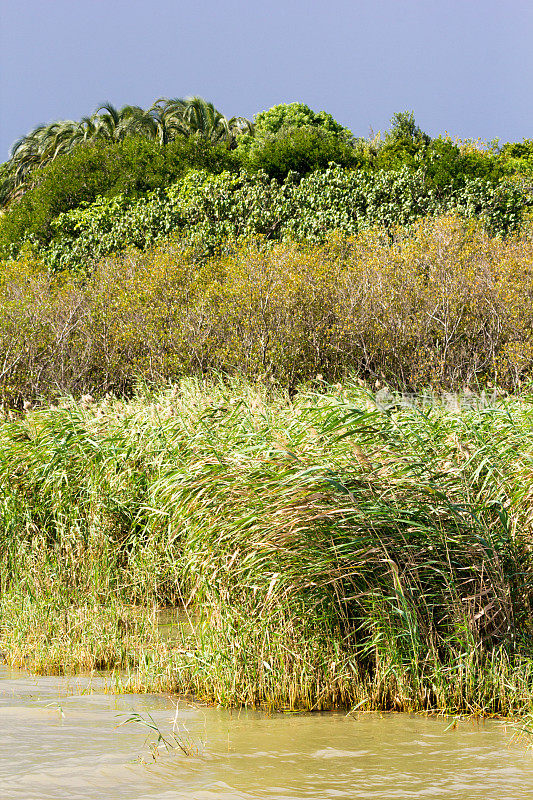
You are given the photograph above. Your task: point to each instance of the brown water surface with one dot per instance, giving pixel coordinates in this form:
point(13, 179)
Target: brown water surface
point(59, 740)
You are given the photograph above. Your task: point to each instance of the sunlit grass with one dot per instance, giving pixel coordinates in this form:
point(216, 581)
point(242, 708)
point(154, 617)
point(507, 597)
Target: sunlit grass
point(330, 553)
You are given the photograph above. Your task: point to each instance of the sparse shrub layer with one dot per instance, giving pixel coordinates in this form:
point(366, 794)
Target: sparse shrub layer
point(444, 304)
point(329, 553)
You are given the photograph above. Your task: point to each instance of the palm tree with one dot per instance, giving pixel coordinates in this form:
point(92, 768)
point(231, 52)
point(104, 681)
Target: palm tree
point(163, 122)
point(194, 116)
point(115, 125)
point(40, 147)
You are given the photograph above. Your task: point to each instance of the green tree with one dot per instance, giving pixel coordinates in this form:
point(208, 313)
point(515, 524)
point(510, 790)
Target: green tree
point(131, 167)
point(404, 144)
point(112, 124)
point(300, 150)
point(404, 129)
point(165, 121)
point(194, 116)
point(291, 137)
point(296, 115)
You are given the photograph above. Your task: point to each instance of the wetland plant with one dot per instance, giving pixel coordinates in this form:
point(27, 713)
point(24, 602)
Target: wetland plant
point(178, 739)
point(332, 552)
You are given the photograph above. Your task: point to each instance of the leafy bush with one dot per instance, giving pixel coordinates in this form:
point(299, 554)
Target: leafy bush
point(108, 225)
point(210, 211)
point(449, 164)
point(516, 160)
point(446, 163)
point(131, 168)
point(291, 137)
point(300, 150)
point(296, 115)
point(405, 144)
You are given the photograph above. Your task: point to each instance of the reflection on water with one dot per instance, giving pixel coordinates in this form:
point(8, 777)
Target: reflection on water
point(59, 740)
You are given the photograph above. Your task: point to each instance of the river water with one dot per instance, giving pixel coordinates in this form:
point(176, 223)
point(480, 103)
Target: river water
point(61, 739)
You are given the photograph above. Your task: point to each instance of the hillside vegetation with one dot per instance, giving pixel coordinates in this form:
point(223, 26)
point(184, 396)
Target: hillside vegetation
point(273, 380)
point(76, 191)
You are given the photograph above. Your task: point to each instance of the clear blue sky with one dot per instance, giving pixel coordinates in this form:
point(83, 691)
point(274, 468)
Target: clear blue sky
point(465, 66)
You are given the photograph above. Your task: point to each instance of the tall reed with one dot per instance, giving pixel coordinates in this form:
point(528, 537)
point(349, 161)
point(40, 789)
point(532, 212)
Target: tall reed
point(330, 552)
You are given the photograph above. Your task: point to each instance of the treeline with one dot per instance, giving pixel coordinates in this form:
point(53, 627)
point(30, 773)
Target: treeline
point(292, 173)
point(442, 304)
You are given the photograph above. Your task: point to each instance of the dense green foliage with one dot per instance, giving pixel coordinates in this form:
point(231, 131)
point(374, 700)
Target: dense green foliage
point(299, 150)
point(131, 153)
point(330, 553)
point(296, 115)
point(518, 157)
point(165, 121)
point(211, 212)
point(131, 168)
point(291, 137)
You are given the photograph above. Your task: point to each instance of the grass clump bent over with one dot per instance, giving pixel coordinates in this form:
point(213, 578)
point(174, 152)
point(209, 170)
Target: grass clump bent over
point(329, 551)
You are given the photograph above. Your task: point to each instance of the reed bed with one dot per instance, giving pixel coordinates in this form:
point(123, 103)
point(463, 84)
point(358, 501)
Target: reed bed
point(329, 551)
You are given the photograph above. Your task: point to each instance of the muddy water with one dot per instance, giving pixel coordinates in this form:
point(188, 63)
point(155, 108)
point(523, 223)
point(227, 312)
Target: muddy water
point(59, 740)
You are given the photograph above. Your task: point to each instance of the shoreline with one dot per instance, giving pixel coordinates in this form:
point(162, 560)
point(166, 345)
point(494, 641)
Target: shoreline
point(336, 553)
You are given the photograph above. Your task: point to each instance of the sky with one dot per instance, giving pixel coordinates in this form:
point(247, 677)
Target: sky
point(462, 66)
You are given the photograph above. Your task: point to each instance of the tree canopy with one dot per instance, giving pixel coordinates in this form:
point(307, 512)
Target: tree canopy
point(296, 115)
point(164, 121)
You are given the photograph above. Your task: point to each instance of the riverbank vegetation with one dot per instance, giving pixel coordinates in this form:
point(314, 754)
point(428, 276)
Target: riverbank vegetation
point(330, 551)
point(195, 315)
point(443, 304)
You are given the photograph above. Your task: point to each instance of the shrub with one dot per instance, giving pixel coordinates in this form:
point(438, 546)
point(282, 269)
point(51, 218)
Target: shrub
point(452, 164)
point(296, 115)
point(516, 159)
point(443, 304)
point(210, 211)
point(291, 137)
point(130, 168)
point(299, 150)
point(40, 320)
point(86, 234)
